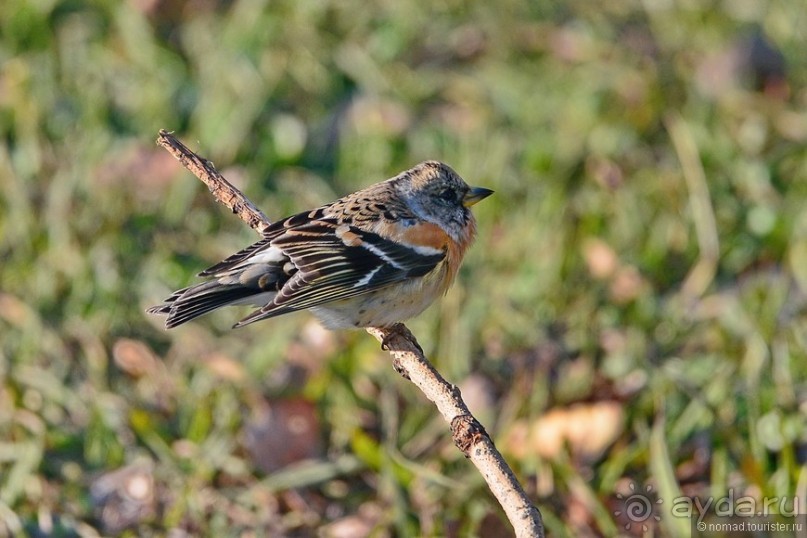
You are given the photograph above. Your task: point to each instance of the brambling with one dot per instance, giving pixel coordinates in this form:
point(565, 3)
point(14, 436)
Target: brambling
point(371, 259)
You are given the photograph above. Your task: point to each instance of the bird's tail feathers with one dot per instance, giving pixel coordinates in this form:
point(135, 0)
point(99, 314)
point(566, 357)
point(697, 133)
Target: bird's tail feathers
point(191, 302)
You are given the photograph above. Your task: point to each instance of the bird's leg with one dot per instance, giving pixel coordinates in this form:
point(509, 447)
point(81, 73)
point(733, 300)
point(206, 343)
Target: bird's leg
point(391, 333)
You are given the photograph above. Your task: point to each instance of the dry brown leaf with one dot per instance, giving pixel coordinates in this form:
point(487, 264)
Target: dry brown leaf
point(600, 258)
point(587, 429)
point(134, 357)
point(224, 367)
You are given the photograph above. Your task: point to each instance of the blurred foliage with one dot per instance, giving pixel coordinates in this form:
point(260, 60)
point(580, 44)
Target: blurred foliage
point(632, 313)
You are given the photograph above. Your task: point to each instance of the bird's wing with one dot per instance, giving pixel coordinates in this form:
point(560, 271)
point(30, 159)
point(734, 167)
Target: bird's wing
point(328, 261)
point(275, 230)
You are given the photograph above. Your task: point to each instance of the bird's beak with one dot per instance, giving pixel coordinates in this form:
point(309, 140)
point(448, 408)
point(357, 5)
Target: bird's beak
point(474, 195)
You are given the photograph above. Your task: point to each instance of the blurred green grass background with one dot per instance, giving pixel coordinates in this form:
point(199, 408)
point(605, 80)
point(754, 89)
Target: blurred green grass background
point(631, 315)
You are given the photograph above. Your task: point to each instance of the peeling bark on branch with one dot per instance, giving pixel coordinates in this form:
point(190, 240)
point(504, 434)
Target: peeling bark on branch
point(408, 360)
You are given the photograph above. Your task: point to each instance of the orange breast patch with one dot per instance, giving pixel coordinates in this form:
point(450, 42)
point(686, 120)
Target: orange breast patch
point(424, 234)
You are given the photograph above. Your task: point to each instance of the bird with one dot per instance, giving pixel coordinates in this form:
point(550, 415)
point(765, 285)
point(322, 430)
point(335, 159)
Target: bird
point(373, 258)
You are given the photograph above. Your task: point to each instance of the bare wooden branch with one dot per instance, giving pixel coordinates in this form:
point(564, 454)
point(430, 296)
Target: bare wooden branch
point(408, 360)
point(469, 435)
point(223, 191)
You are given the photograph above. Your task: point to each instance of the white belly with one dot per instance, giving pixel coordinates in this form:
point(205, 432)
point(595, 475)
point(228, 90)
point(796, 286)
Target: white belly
point(381, 308)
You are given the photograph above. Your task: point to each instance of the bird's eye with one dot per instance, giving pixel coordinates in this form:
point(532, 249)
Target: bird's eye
point(447, 194)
